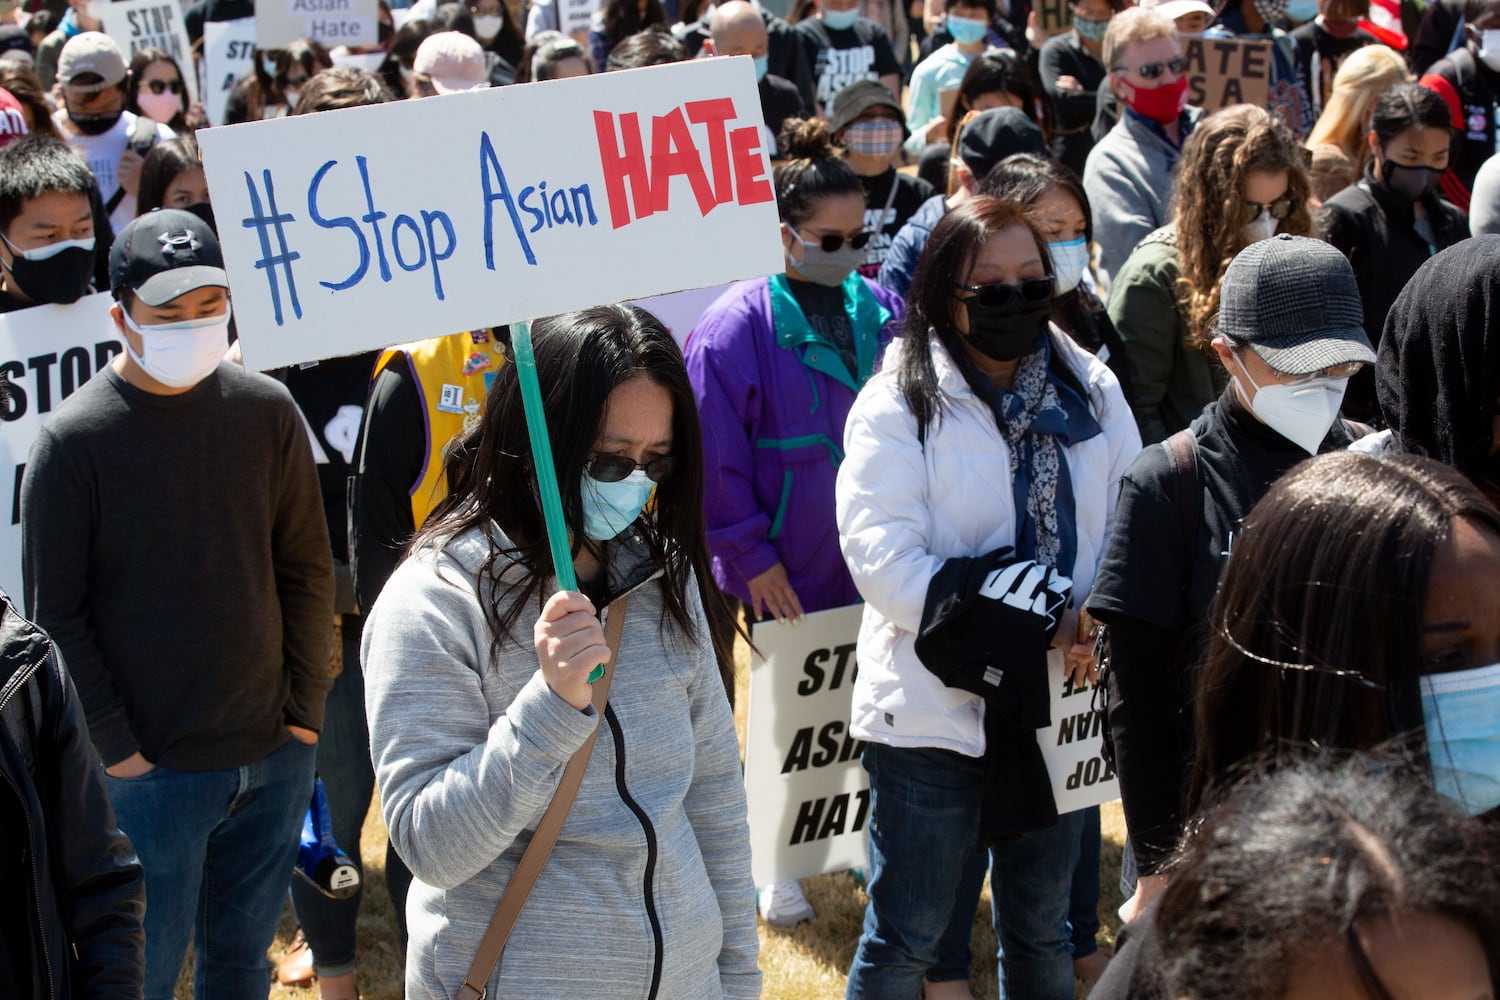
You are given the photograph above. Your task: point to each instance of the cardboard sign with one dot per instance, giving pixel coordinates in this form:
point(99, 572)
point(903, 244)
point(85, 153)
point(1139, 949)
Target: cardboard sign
point(46, 352)
point(228, 54)
point(555, 196)
point(1073, 746)
point(1227, 71)
point(151, 24)
point(1054, 16)
point(331, 22)
point(809, 796)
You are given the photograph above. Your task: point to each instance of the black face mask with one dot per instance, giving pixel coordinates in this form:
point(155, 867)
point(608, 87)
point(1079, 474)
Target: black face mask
point(62, 278)
point(1411, 183)
point(1006, 332)
point(205, 211)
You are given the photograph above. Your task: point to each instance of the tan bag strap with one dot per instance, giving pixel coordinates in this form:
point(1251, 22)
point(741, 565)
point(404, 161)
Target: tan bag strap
point(487, 956)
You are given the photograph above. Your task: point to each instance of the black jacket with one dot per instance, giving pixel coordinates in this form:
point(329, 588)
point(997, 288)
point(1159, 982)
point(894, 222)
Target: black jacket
point(1376, 230)
point(75, 926)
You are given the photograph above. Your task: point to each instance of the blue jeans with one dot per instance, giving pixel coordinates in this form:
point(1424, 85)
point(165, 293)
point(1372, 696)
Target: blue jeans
point(924, 827)
point(216, 847)
point(1083, 910)
point(348, 780)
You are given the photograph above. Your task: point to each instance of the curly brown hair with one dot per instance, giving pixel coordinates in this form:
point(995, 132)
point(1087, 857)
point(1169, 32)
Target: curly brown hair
point(1208, 208)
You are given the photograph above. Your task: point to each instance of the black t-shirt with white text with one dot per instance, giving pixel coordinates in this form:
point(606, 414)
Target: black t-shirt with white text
point(839, 58)
point(824, 308)
point(885, 214)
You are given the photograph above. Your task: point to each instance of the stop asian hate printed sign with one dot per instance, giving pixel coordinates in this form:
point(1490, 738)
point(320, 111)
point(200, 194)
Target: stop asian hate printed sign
point(356, 229)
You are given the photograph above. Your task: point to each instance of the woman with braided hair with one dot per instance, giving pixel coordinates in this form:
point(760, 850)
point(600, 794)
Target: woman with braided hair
point(1243, 178)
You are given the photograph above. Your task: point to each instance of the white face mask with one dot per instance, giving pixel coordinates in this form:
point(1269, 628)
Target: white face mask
point(487, 26)
point(1262, 228)
point(181, 355)
point(1489, 49)
point(1303, 412)
point(1068, 261)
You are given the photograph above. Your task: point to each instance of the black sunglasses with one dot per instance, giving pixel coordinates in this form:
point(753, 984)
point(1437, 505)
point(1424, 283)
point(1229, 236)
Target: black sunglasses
point(999, 295)
point(162, 86)
point(1279, 209)
point(1151, 71)
point(614, 468)
point(831, 242)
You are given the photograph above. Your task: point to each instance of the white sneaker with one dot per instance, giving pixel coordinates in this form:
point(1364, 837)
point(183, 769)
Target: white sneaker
point(783, 905)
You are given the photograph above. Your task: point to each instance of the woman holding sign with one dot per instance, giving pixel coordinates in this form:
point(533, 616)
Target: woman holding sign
point(989, 435)
point(477, 685)
point(775, 365)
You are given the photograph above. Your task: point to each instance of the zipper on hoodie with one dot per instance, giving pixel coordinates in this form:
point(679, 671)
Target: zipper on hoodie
point(24, 676)
point(645, 821)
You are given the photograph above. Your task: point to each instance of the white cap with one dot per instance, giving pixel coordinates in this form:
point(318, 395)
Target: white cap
point(453, 61)
point(1178, 8)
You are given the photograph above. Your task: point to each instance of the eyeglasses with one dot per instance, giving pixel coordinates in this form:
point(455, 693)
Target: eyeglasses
point(1279, 209)
point(162, 86)
point(833, 242)
point(999, 295)
point(1150, 71)
point(614, 468)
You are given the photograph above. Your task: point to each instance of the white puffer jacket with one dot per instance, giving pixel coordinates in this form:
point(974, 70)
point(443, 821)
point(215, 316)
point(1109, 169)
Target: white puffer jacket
point(903, 509)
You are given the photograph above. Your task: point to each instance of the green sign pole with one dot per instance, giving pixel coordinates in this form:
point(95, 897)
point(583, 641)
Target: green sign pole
point(546, 472)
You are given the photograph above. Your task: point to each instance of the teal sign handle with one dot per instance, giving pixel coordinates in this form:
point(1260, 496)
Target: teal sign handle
point(541, 457)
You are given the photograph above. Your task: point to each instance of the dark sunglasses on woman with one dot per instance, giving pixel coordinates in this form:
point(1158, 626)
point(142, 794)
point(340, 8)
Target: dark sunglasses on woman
point(831, 242)
point(1252, 210)
point(162, 86)
point(614, 468)
point(999, 295)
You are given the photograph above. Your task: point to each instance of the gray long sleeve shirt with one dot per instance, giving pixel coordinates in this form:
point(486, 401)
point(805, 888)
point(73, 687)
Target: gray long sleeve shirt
point(650, 879)
point(176, 549)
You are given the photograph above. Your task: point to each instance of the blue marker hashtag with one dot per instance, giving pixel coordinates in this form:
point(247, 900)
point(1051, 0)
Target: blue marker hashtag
point(263, 223)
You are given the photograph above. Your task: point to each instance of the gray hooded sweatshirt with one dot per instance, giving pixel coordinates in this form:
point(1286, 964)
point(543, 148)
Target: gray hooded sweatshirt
point(648, 892)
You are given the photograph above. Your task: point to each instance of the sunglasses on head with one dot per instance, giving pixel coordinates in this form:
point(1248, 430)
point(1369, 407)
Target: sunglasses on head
point(162, 86)
point(1252, 210)
point(1150, 71)
point(1000, 294)
point(614, 468)
point(832, 242)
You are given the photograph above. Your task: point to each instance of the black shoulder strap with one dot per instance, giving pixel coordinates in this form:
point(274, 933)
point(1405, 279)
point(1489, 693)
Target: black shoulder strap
point(1182, 447)
point(142, 138)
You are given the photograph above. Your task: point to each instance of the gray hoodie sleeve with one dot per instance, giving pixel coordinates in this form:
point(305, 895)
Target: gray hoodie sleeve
point(455, 789)
point(716, 807)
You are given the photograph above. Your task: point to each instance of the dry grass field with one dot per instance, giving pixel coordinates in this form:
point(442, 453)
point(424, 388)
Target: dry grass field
point(806, 963)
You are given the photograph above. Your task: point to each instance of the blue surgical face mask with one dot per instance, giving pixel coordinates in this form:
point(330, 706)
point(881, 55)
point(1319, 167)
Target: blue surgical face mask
point(1302, 11)
point(966, 30)
point(1461, 713)
point(610, 508)
point(840, 20)
point(1068, 262)
point(762, 67)
point(268, 63)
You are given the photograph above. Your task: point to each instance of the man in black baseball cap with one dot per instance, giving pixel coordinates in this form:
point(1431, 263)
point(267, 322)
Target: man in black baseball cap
point(174, 544)
point(1289, 335)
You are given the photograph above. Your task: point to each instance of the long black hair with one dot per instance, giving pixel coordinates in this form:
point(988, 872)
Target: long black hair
point(581, 357)
point(1297, 861)
point(1316, 631)
point(1002, 71)
point(946, 262)
point(1404, 106)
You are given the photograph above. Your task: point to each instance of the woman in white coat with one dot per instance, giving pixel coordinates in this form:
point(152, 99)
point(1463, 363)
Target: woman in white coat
point(987, 428)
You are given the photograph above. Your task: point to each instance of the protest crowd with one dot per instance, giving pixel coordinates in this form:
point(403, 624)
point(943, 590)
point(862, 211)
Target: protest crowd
point(1147, 350)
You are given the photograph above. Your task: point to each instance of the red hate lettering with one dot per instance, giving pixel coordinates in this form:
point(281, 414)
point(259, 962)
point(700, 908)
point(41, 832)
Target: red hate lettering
point(715, 114)
point(672, 153)
point(622, 166)
point(751, 185)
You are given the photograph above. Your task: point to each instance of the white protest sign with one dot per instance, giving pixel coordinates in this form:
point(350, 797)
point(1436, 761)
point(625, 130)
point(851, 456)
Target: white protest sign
point(555, 196)
point(46, 352)
point(150, 24)
point(809, 796)
point(331, 22)
point(228, 54)
point(680, 311)
point(1073, 745)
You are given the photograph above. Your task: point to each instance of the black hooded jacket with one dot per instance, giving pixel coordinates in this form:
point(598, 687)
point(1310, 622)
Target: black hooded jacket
point(71, 926)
